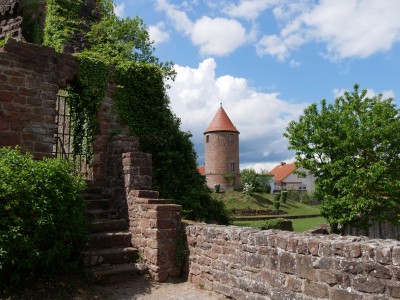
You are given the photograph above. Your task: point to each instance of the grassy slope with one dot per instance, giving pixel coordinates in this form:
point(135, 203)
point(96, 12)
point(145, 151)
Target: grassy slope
point(299, 225)
point(237, 200)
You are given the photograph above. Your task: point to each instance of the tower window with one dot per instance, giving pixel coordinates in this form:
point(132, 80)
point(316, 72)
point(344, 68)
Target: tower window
point(230, 137)
point(207, 138)
point(232, 167)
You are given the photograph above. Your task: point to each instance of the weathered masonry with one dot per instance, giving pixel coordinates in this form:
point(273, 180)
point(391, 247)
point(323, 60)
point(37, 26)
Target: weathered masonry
point(244, 263)
point(30, 78)
point(128, 215)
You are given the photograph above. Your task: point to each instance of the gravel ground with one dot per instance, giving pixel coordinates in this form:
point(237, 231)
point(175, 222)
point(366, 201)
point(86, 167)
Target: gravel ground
point(142, 288)
point(139, 288)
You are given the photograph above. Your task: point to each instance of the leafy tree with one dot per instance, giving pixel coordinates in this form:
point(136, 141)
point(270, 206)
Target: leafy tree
point(248, 176)
point(264, 181)
point(352, 146)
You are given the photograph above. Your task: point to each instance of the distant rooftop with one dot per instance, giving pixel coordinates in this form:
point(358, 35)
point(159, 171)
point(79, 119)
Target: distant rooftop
point(221, 122)
point(282, 171)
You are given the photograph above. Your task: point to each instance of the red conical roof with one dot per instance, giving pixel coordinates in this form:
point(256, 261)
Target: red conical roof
point(221, 122)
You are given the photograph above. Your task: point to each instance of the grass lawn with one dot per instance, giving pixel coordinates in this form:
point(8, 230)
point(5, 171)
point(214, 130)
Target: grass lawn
point(299, 225)
point(236, 200)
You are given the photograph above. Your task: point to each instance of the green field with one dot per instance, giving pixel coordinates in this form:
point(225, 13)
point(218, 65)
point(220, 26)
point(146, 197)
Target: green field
point(236, 200)
point(299, 225)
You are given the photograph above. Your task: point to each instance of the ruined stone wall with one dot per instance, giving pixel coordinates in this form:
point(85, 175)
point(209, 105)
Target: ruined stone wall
point(245, 263)
point(154, 223)
point(10, 19)
point(30, 77)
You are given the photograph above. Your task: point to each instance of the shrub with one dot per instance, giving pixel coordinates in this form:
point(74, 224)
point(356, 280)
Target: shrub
point(42, 222)
point(277, 204)
point(277, 196)
point(284, 196)
point(248, 188)
point(278, 223)
point(200, 206)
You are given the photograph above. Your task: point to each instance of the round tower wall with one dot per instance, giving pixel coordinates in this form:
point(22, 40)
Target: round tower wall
point(222, 158)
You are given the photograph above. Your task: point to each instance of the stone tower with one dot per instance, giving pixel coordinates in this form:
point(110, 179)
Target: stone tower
point(221, 140)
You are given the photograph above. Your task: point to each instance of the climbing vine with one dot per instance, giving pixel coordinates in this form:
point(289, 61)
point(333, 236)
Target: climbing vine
point(141, 97)
point(62, 21)
point(87, 92)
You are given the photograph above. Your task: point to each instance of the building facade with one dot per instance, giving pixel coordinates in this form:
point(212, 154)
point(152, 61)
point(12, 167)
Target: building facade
point(221, 140)
point(286, 178)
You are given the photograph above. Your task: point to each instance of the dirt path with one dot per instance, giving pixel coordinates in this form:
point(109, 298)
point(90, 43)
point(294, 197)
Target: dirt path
point(142, 288)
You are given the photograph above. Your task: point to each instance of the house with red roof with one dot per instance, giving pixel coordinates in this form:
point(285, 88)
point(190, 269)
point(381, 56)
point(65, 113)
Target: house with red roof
point(286, 178)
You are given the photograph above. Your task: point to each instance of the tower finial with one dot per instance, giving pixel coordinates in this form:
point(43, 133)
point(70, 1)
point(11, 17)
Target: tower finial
point(221, 103)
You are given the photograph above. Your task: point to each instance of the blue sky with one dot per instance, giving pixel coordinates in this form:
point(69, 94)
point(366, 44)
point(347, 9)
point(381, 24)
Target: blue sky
point(267, 60)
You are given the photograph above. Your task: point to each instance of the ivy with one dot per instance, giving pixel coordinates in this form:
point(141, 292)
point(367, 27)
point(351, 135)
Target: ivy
point(62, 21)
point(141, 98)
point(87, 92)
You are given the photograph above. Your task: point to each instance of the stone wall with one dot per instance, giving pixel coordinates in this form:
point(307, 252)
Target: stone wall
point(154, 223)
point(30, 77)
point(10, 19)
point(244, 263)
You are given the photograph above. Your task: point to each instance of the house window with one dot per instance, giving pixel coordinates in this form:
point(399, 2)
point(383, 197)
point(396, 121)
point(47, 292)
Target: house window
point(230, 137)
point(232, 167)
point(207, 138)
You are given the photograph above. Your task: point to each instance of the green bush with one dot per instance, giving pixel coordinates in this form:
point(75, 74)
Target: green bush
point(278, 223)
point(277, 204)
point(277, 196)
point(200, 206)
point(42, 221)
point(284, 196)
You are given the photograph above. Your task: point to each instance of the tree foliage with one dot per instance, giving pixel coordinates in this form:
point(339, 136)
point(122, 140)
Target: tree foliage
point(352, 146)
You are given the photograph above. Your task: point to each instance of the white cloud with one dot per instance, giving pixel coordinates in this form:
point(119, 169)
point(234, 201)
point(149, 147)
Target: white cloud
point(273, 45)
point(179, 18)
point(261, 118)
point(119, 10)
point(214, 36)
point(248, 9)
point(157, 34)
point(218, 36)
point(370, 93)
point(356, 28)
point(294, 63)
point(348, 28)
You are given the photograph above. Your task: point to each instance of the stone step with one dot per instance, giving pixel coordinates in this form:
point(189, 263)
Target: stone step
point(93, 196)
point(110, 240)
point(100, 203)
point(109, 256)
point(108, 225)
point(106, 274)
point(111, 213)
point(144, 193)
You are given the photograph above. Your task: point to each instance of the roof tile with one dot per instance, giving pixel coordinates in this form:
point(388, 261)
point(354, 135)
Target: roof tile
point(282, 171)
point(221, 122)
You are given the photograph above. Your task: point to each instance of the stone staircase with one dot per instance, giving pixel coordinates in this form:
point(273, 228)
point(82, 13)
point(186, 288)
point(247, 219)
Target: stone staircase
point(109, 256)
